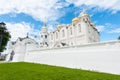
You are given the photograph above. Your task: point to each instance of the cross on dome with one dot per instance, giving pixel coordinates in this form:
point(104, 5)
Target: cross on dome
point(83, 13)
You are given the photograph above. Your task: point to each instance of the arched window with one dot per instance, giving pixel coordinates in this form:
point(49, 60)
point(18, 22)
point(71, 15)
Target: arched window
point(71, 31)
point(83, 19)
point(63, 33)
point(41, 36)
point(56, 35)
point(87, 19)
point(45, 36)
point(79, 28)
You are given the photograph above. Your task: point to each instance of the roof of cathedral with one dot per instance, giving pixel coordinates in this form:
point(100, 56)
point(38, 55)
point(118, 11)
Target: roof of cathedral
point(84, 15)
point(59, 27)
point(75, 19)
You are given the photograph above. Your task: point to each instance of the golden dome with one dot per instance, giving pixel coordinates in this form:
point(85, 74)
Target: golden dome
point(44, 27)
point(84, 15)
point(75, 19)
point(59, 27)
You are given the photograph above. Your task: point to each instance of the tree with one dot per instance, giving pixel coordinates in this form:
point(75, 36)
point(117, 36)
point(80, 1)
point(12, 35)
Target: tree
point(4, 36)
point(119, 38)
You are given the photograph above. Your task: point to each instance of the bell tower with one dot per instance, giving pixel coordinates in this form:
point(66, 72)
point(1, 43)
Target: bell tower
point(44, 36)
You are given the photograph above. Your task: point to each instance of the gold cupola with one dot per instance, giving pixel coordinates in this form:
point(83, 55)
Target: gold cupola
point(75, 19)
point(84, 15)
point(59, 26)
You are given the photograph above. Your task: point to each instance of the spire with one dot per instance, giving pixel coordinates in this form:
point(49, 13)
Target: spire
point(44, 28)
point(44, 23)
point(83, 13)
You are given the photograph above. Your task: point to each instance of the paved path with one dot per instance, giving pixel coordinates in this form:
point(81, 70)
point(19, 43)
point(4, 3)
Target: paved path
point(2, 62)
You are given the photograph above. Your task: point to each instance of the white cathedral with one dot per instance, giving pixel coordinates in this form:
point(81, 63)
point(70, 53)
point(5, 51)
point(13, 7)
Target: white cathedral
point(80, 31)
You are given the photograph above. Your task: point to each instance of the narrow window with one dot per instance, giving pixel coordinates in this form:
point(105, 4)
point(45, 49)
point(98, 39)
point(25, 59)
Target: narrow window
point(41, 36)
point(56, 35)
point(87, 19)
point(84, 20)
point(71, 31)
point(73, 24)
point(45, 36)
point(79, 28)
point(63, 33)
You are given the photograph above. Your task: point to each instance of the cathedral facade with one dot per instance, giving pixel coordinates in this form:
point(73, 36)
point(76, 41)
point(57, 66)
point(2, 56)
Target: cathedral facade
point(80, 31)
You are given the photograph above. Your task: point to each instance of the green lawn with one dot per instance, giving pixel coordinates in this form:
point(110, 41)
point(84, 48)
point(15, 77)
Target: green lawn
point(31, 71)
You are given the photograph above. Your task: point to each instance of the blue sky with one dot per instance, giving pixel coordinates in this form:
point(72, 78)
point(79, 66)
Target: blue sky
point(23, 16)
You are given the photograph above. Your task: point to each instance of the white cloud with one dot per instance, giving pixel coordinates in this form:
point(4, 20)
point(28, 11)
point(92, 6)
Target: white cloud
point(51, 28)
point(20, 30)
point(51, 9)
point(100, 28)
point(38, 9)
point(113, 5)
point(115, 31)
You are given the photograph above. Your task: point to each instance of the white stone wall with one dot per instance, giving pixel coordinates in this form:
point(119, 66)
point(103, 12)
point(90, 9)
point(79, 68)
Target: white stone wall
point(103, 57)
point(19, 48)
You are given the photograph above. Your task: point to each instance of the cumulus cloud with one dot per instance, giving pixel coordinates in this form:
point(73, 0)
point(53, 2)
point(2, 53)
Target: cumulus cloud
point(20, 30)
point(51, 28)
point(105, 4)
point(100, 28)
point(115, 31)
point(38, 9)
point(52, 9)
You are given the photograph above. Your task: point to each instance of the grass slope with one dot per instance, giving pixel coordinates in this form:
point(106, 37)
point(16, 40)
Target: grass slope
point(31, 71)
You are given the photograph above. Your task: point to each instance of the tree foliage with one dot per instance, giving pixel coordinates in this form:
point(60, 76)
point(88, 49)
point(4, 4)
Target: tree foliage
point(4, 36)
point(119, 38)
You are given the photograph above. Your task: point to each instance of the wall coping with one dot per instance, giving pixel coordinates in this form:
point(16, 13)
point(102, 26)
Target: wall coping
point(77, 46)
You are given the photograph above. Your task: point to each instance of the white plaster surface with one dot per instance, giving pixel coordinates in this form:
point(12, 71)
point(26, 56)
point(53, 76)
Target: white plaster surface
point(103, 57)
